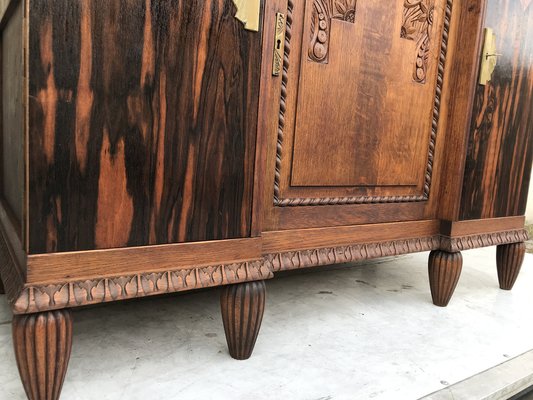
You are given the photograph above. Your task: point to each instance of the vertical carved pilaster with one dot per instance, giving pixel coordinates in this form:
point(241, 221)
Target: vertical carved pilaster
point(444, 272)
point(42, 348)
point(509, 259)
point(323, 12)
point(416, 26)
point(242, 308)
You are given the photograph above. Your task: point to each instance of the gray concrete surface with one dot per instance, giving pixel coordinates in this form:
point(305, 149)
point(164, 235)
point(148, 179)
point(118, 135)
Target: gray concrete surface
point(364, 332)
point(507, 380)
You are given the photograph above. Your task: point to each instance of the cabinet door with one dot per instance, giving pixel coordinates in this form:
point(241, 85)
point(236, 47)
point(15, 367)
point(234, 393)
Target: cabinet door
point(359, 107)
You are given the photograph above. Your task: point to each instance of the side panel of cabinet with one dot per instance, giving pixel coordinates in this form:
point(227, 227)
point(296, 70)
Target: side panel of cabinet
point(12, 114)
point(142, 123)
point(500, 152)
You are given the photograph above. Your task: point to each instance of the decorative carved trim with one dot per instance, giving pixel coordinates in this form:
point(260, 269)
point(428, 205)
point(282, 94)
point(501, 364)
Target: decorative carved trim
point(455, 244)
point(93, 291)
point(343, 254)
point(438, 95)
point(40, 298)
point(294, 202)
point(323, 12)
point(283, 100)
point(416, 26)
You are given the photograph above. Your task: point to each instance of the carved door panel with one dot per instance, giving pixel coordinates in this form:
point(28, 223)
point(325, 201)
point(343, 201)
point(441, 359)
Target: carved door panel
point(360, 101)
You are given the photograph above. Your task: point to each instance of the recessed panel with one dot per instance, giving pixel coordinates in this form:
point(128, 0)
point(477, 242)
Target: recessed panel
point(362, 100)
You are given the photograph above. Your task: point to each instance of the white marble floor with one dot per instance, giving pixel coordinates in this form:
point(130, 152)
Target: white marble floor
point(364, 332)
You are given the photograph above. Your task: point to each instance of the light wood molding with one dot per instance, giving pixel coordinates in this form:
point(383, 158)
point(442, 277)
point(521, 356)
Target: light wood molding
point(483, 240)
point(480, 226)
point(132, 260)
point(67, 293)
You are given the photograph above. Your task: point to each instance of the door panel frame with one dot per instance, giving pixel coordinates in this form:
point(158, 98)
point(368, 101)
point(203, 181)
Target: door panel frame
point(271, 216)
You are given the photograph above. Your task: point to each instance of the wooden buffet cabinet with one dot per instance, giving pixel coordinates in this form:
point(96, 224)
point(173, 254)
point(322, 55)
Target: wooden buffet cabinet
point(157, 146)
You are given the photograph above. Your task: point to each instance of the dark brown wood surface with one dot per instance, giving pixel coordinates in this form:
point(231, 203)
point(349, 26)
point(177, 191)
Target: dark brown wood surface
point(242, 307)
point(444, 272)
point(142, 123)
point(500, 152)
point(509, 259)
point(43, 344)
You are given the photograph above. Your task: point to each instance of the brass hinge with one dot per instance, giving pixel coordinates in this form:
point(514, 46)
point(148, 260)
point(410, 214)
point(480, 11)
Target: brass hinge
point(489, 57)
point(279, 44)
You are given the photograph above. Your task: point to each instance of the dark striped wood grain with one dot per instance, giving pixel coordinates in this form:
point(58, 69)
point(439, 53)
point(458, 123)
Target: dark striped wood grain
point(242, 308)
point(444, 272)
point(142, 122)
point(500, 152)
point(42, 348)
point(509, 259)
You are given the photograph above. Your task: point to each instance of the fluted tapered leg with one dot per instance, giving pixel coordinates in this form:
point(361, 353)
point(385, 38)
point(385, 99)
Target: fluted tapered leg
point(242, 307)
point(42, 348)
point(509, 258)
point(444, 272)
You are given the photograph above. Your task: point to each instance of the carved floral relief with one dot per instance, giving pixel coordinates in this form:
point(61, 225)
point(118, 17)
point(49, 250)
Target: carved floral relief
point(416, 26)
point(323, 12)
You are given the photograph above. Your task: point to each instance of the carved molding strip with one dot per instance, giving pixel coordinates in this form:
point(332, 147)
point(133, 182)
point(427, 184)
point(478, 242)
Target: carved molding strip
point(283, 99)
point(323, 12)
point(93, 291)
point(295, 202)
point(483, 240)
point(337, 255)
point(416, 26)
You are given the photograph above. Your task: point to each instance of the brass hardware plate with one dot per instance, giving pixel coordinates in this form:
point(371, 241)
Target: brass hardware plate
point(489, 57)
point(279, 44)
point(248, 13)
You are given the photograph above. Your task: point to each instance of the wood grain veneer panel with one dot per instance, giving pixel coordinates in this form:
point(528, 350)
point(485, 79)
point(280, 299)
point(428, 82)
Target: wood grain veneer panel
point(500, 152)
point(136, 260)
point(359, 108)
point(303, 239)
point(142, 123)
point(480, 226)
point(13, 113)
point(360, 117)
